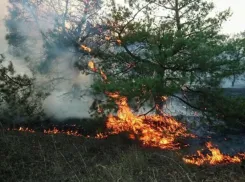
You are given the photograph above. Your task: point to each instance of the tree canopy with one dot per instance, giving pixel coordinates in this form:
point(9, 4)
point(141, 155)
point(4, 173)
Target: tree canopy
point(146, 48)
point(168, 47)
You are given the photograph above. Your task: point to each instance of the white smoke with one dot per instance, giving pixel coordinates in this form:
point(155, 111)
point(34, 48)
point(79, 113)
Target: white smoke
point(66, 84)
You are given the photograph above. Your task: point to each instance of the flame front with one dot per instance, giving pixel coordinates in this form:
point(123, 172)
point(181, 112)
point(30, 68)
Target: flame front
point(56, 131)
point(159, 131)
point(152, 130)
point(22, 129)
point(155, 131)
point(215, 157)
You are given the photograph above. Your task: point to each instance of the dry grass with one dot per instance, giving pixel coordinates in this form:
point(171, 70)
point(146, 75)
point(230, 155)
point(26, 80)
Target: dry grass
point(37, 157)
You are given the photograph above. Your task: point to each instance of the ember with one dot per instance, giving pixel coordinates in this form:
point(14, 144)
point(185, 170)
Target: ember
point(216, 157)
point(103, 75)
point(24, 130)
point(91, 65)
point(119, 41)
point(55, 131)
point(85, 48)
point(101, 136)
point(68, 132)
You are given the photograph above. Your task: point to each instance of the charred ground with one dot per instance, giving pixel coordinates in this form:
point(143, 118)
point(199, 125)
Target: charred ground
point(39, 157)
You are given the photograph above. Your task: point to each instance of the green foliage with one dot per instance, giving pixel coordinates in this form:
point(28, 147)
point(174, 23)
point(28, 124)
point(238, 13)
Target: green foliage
point(228, 109)
point(19, 99)
point(161, 54)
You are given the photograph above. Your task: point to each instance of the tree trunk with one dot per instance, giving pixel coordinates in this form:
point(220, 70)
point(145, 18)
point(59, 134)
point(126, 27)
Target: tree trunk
point(159, 103)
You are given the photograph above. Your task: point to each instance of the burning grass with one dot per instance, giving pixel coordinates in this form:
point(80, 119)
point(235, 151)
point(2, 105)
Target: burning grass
point(215, 157)
point(152, 130)
point(159, 131)
point(38, 157)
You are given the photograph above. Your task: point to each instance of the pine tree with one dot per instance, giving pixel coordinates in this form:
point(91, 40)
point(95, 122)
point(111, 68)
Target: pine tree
point(20, 101)
point(168, 47)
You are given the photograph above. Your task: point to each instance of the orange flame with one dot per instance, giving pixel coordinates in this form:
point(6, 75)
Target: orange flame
point(56, 131)
point(164, 98)
point(159, 131)
point(216, 157)
point(85, 48)
point(103, 75)
point(91, 66)
point(119, 41)
point(26, 130)
point(101, 136)
point(22, 129)
point(154, 131)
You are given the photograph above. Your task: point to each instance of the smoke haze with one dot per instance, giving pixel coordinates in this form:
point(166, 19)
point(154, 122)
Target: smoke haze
point(65, 99)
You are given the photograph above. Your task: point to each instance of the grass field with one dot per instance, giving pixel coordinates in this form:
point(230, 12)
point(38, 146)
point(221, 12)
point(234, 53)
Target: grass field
point(37, 157)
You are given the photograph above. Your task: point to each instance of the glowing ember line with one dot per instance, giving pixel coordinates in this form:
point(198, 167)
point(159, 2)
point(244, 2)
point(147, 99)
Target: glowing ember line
point(55, 131)
point(22, 129)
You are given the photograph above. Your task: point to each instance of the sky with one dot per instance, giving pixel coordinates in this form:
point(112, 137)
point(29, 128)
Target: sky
point(234, 25)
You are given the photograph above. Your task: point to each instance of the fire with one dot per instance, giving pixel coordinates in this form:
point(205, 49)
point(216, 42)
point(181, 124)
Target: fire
point(215, 157)
point(85, 48)
point(91, 65)
point(56, 131)
point(101, 136)
point(103, 75)
point(119, 41)
point(22, 129)
point(164, 98)
point(161, 131)
point(153, 130)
